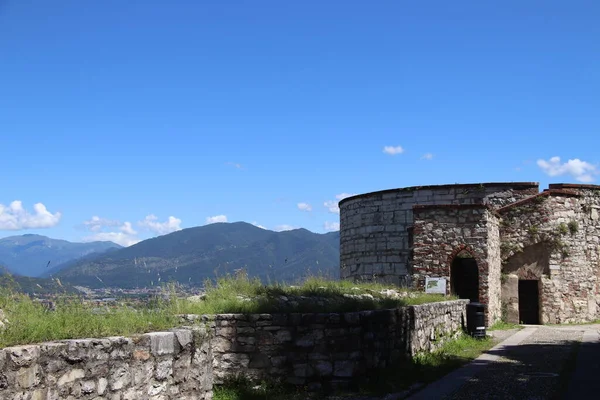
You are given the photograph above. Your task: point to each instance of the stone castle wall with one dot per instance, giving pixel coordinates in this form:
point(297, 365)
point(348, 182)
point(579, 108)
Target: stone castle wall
point(159, 365)
point(494, 303)
point(374, 227)
point(442, 232)
point(329, 350)
point(554, 238)
point(315, 350)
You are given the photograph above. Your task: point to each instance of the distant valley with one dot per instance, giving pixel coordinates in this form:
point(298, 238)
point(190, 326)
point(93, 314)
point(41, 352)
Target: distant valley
point(189, 256)
point(32, 255)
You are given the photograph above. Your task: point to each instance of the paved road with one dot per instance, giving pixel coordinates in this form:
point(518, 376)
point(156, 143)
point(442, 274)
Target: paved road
point(538, 362)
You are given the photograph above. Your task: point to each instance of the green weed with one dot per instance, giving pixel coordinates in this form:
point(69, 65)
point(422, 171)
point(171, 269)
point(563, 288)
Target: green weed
point(241, 294)
point(31, 322)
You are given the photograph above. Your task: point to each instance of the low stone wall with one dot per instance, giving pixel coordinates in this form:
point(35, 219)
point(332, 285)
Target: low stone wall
point(434, 323)
point(158, 365)
point(320, 351)
point(326, 351)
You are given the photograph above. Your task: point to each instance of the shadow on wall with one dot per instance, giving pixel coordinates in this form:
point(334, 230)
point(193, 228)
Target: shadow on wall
point(531, 263)
point(521, 284)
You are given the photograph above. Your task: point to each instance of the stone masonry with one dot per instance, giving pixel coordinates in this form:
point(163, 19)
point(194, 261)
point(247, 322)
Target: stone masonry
point(537, 254)
point(441, 232)
point(375, 238)
point(318, 351)
point(329, 351)
point(554, 238)
point(158, 366)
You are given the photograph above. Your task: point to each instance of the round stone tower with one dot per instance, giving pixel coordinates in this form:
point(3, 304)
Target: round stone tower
point(375, 228)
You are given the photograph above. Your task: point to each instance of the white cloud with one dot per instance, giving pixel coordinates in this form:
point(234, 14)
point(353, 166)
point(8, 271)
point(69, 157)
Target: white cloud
point(580, 170)
point(104, 230)
point(304, 207)
point(236, 165)
point(151, 223)
point(122, 238)
point(258, 225)
point(331, 226)
point(216, 218)
point(127, 229)
point(427, 156)
point(96, 224)
point(14, 217)
point(123, 233)
point(393, 150)
point(284, 227)
point(332, 205)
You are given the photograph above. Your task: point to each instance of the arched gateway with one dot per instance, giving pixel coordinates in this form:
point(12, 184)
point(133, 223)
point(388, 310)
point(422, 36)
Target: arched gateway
point(532, 256)
point(464, 276)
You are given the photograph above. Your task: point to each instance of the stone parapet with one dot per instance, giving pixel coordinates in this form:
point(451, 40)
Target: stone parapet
point(159, 365)
point(327, 350)
point(320, 351)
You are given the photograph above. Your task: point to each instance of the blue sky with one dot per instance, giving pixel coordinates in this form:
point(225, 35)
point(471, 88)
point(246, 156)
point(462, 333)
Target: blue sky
point(264, 111)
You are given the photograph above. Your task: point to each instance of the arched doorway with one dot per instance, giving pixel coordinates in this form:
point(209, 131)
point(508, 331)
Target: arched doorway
point(464, 277)
point(523, 295)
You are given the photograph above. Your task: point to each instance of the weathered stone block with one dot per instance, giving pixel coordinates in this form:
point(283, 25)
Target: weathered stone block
point(162, 343)
point(28, 377)
point(23, 356)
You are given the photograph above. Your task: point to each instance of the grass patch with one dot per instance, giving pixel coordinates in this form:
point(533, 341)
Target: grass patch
point(240, 294)
point(243, 389)
point(31, 322)
point(428, 367)
point(424, 368)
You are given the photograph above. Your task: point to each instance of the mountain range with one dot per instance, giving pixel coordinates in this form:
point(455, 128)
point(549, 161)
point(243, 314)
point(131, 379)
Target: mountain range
point(193, 255)
point(31, 255)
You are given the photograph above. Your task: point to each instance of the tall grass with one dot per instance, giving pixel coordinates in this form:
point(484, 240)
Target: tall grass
point(239, 293)
point(31, 322)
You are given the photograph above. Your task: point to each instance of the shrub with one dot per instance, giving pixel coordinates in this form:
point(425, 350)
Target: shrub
point(573, 227)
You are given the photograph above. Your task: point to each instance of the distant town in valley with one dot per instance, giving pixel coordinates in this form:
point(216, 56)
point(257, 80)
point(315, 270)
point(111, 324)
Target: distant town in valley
point(102, 271)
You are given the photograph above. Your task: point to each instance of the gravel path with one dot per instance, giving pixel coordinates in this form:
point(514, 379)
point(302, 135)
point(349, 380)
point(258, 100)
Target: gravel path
point(531, 370)
point(543, 366)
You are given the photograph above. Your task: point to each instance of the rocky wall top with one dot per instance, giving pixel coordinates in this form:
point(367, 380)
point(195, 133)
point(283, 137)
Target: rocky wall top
point(490, 192)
